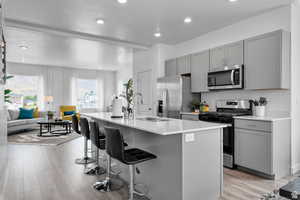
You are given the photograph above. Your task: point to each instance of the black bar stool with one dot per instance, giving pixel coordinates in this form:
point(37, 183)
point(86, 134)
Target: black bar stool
point(130, 157)
point(85, 132)
point(75, 127)
point(97, 139)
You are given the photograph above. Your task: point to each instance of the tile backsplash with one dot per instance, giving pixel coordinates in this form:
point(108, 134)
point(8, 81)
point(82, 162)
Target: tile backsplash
point(278, 100)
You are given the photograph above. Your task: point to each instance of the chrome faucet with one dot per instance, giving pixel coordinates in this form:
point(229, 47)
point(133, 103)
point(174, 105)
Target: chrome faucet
point(141, 101)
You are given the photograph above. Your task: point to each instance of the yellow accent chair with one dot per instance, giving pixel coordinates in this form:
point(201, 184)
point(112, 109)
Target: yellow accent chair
point(64, 109)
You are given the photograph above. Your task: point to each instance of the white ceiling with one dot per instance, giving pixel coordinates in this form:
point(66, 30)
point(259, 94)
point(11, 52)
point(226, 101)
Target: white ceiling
point(52, 50)
point(133, 23)
point(138, 19)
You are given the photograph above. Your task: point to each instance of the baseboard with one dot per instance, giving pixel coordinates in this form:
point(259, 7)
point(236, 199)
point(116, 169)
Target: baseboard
point(295, 168)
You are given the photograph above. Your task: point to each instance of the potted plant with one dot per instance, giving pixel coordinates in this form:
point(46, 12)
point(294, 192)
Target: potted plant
point(260, 106)
point(50, 115)
point(7, 92)
point(128, 95)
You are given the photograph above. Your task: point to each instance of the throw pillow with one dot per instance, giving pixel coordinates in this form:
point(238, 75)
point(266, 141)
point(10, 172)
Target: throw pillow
point(69, 113)
point(14, 114)
point(26, 113)
point(36, 113)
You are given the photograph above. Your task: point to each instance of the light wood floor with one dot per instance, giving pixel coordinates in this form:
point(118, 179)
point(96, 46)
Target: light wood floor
point(48, 173)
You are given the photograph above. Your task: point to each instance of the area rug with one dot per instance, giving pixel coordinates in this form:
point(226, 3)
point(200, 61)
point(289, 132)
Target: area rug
point(31, 137)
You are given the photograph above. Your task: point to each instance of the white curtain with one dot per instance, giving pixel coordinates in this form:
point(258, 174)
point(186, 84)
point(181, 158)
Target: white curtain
point(60, 82)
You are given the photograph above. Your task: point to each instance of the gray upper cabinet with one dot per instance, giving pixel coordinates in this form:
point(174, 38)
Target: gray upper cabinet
point(227, 55)
point(199, 70)
point(170, 67)
point(267, 61)
point(217, 58)
point(183, 65)
point(234, 54)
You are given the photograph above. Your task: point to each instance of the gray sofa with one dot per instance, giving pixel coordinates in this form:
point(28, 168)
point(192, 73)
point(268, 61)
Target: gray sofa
point(15, 125)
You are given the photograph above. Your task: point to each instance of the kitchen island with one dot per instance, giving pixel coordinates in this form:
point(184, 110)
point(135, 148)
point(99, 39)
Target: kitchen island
point(189, 164)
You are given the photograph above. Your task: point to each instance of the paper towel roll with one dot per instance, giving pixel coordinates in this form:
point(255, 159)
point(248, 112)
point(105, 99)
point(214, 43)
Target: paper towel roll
point(117, 107)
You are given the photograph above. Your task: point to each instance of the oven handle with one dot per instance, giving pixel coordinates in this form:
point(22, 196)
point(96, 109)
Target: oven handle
point(232, 77)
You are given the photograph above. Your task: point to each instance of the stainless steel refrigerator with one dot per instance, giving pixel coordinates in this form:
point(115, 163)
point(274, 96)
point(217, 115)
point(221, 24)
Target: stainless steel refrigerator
point(174, 96)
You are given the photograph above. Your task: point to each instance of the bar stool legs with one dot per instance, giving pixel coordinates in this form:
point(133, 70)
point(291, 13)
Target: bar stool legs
point(104, 186)
point(85, 160)
point(133, 194)
point(95, 170)
point(131, 185)
point(110, 183)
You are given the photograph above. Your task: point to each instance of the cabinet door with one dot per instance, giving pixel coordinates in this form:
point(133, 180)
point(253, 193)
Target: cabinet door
point(182, 65)
point(253, 150)
point(217, 58)
point(234, 54)
point(263, 61)
point(170, 67)
point(199, 70)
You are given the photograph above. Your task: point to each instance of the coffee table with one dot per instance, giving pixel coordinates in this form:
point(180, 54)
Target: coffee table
point(65, 124)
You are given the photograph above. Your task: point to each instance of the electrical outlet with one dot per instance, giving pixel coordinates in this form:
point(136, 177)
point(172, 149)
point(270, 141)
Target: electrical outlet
point(189, 137)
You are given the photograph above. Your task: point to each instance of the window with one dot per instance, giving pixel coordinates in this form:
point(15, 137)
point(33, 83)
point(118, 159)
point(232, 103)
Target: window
point(26, 91)
point(86, 93)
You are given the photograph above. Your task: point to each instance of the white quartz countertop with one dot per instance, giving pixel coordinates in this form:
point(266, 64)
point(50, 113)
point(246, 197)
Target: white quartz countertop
point(270, 117)
point(170, 127)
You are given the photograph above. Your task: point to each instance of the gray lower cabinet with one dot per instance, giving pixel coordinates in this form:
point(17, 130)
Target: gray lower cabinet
point(183, 65)
point(170, 67)
point(199, 70)
point(263, 147)
point(253, 150)
point(267, 61)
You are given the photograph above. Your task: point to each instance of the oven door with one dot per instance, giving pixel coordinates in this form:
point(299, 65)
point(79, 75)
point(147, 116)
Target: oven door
point(226, 79)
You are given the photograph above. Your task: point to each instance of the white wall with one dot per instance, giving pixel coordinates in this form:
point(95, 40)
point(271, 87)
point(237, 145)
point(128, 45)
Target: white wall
point(122, 76)
point(3, 133)
point(58, 80)
point(295, 88)
point(152, 59)
point(124, 73)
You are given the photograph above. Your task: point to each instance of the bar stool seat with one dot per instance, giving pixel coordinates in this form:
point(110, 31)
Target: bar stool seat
point(135, 156)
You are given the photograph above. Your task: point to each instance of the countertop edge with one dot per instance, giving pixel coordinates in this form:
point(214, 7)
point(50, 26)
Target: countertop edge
point(268, 119)
point(219, 126)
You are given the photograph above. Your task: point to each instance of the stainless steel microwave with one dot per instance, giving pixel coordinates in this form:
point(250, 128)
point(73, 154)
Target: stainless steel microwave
point(227, 78)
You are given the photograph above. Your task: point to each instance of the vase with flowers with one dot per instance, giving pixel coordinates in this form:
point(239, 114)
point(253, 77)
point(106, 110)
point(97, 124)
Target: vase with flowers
point(259, 106)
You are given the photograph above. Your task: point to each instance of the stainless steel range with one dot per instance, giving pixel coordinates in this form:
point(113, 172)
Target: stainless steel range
point(225, 111)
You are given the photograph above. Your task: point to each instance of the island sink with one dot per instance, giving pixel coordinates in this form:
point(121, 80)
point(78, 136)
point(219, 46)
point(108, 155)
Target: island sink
point(153, 119)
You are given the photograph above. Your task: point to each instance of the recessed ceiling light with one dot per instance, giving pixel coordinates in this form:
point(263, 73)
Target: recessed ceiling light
point(232, 1)
point(158, 34)
point(188, 20)
point(99, 21)
point(23, 47)
point(122, 1)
